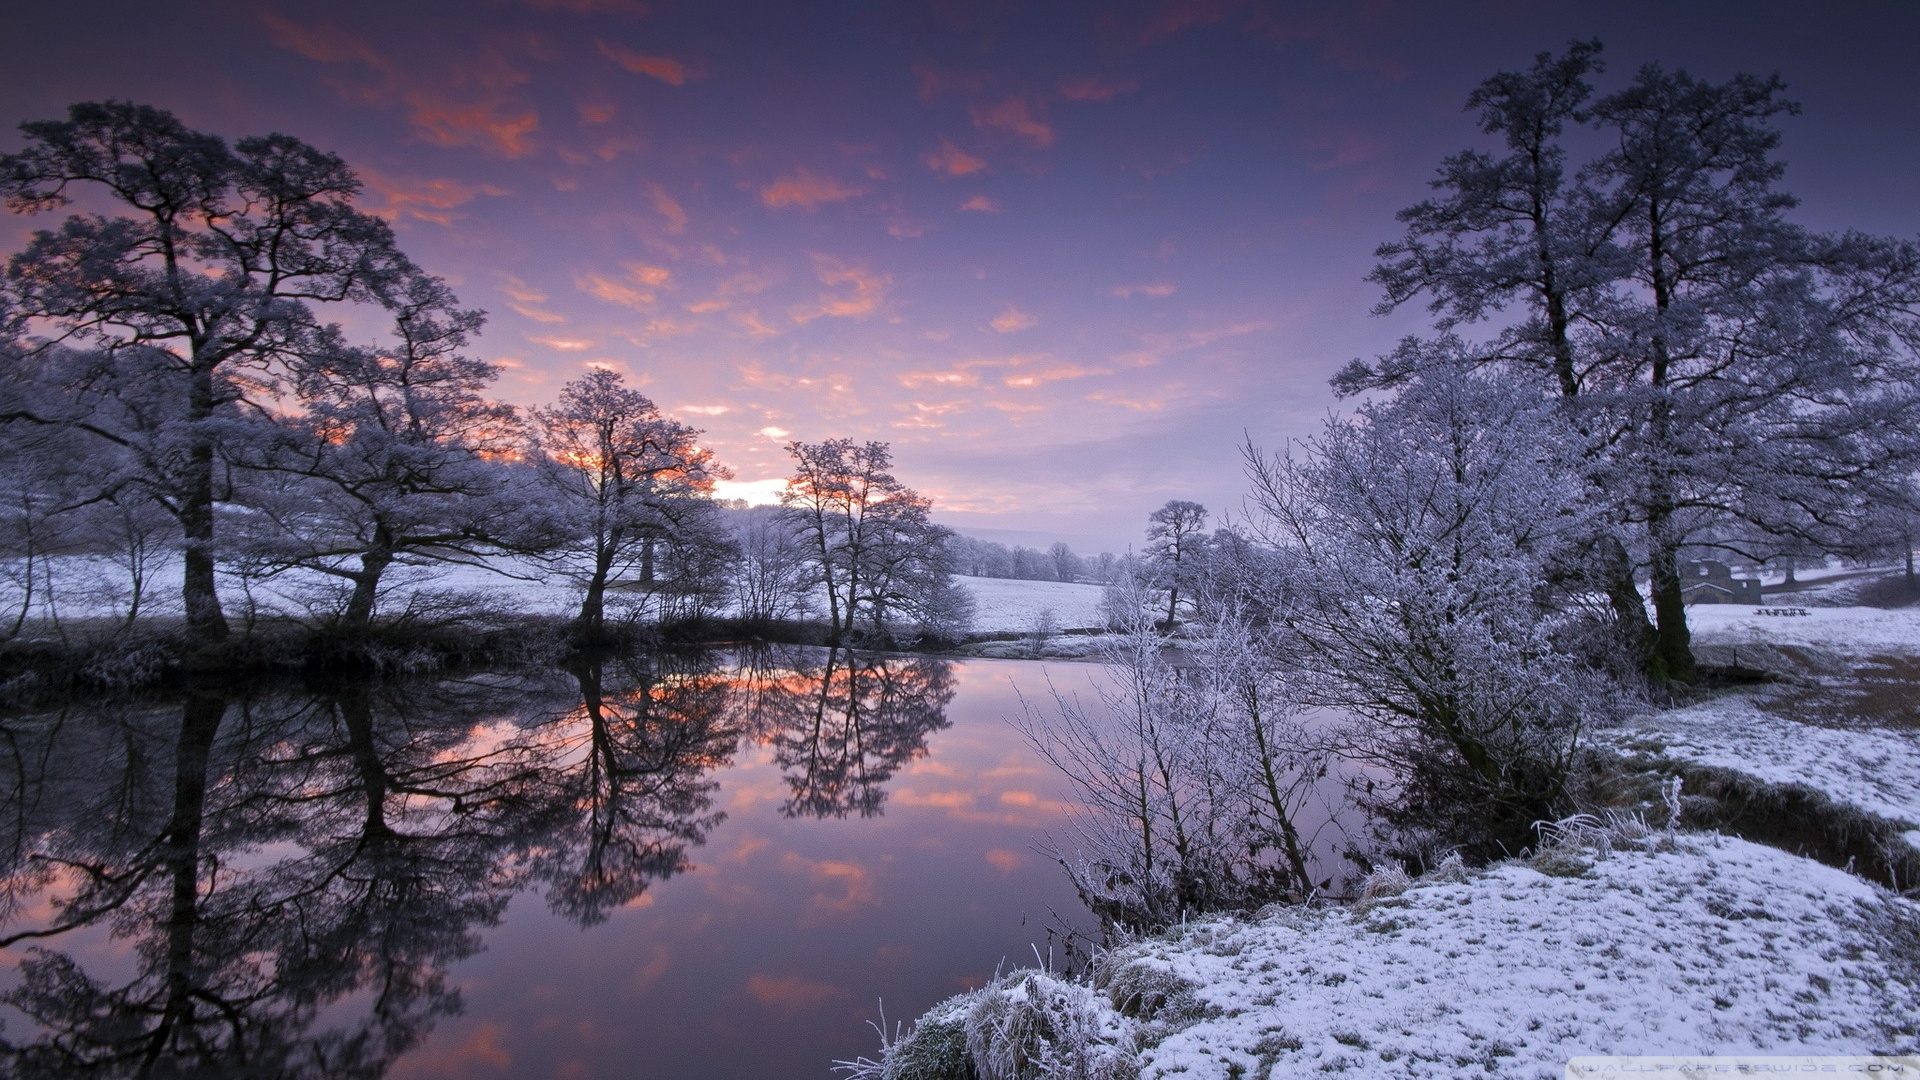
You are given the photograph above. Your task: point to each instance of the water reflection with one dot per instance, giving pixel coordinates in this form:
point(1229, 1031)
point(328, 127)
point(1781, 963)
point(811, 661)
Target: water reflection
point(841, 724)
point(277, 884)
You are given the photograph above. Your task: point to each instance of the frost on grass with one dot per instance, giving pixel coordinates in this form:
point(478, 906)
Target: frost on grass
point(1006, 604)
point(1876, 769)
point(1662, 944)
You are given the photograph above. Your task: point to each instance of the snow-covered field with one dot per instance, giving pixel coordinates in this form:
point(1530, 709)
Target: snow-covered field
point(1872, 767)
point(1003, 604)
point(96, 588)
point(1854, 631)
point(1689, 945)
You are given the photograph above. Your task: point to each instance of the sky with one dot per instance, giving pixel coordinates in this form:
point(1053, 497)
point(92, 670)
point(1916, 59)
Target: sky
point(1064, 257)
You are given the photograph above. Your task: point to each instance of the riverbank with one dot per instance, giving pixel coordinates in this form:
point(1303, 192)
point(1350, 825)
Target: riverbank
point(1616, 938)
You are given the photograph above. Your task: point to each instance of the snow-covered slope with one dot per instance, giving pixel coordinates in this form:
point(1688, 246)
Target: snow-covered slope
point(1714, 946)
point(1003, 604)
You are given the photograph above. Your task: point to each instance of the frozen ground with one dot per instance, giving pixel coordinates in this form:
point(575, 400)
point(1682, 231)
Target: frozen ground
point(1689, 945)
point(1715, 946)
point(1003, 604)
point(1855, 631)
point(1848, 726)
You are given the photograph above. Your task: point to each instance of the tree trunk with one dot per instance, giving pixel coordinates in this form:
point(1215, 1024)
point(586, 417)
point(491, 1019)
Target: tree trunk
point(1629, 607)
point(366, 584)
point(1673, 642)
point(206, 623)
point(593, 610)
point(356, 712)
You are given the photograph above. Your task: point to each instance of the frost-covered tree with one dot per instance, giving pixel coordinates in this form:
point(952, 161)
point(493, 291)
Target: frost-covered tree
point(633, 486)
point(772, 577)
point(396, 456)
point(875, 553)
point(1175, 534)
point(203, 286)
point(1743, 381)
point(1413, 543)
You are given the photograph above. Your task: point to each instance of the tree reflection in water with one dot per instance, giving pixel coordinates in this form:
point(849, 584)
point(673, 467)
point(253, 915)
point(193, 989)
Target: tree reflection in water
point(290, 876)
point(842, 723)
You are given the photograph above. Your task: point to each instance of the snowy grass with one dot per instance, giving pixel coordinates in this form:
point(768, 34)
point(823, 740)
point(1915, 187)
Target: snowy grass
point(1699, 945)
point(1005, 604)
point(1874, 768)
point(1853, 631)
point(1714, 946)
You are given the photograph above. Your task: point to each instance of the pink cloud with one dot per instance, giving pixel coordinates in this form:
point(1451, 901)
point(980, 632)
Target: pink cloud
point(667, 207)
point(869, 291)
point(1093, 90)
point(591, 7)
point(807, 191)
point(1015, 117)
point(953, 161)
point(981, 204)
point(665, 68)
point(562, 344)
point(424, 200)
point(1013, 319)
point(1158, 288)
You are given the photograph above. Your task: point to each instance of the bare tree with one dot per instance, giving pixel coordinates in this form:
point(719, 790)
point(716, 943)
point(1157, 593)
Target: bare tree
point(1743, 381)
point(630, 481)
point(1413, 546)
point(771, 579)
point(873, 549)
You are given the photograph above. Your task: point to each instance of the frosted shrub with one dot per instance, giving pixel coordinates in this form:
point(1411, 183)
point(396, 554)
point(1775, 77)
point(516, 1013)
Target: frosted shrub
point(1413, 545)
point(1032, 1026)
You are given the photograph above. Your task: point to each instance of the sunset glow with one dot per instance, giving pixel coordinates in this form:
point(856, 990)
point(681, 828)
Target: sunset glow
point(1064, 257)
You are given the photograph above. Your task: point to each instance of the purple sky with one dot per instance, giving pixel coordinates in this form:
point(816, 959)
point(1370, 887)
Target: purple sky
point(1060, 255)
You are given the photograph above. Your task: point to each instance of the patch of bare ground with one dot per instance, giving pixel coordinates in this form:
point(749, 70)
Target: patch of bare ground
point(1884, 692)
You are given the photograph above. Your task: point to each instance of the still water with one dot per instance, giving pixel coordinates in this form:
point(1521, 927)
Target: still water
point(690, 866)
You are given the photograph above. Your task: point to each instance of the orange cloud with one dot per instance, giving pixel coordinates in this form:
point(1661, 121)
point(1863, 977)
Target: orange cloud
point(665, 68)
point(869, 291)
point(1005, 861)
point(1013, 116)
point(537, 315)
point(807, 191)
point(981, 204)
point(1096, 89)
point(1158, 288)
point(1013, 319)
point(563, 344)
point(1036, 378)
point(953, 161)
point(521, 291)
point(424, 200)
point(474, 125)
point(327, 44)
point(636, 295)
point(597, 112)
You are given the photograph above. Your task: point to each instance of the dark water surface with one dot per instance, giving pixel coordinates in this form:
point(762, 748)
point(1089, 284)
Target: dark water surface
point(691, 866)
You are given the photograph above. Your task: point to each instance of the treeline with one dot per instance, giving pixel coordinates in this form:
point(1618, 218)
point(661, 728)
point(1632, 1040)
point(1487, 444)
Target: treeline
point(989, 559)
point(178, 419)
